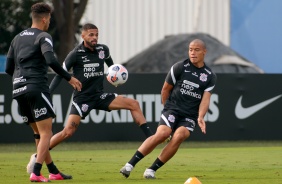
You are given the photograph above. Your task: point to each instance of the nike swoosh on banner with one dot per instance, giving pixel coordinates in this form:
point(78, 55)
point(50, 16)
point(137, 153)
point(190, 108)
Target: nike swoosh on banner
point(243, 113)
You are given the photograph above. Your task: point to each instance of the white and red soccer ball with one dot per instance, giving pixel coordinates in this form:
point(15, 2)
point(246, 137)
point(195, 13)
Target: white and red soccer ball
point(117, 75)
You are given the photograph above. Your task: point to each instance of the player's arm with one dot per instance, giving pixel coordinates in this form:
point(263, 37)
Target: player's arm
point(170, 81)
point(67, 65)
point(10, 66)
point(205, 102)
point(46, 46)
point(108, 59)
point(204, 105)
point(53, 63)
point(203, 109)
point(166, 90)
point(10, 63)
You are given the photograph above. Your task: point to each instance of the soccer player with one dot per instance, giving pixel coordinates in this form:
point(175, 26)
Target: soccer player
point(87, 62)
point(186, 96)
point(28, 58)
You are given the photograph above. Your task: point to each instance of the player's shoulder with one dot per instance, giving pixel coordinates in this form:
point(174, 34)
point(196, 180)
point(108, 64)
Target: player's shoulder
point(79, 49)
point(46, 37)
point(44, 34)
point(181, 63)
point(40, 34)
point(208, 70)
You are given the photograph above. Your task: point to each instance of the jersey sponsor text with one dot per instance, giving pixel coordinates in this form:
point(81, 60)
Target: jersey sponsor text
point(40, 112)
point(19, 90)
point(18, 80)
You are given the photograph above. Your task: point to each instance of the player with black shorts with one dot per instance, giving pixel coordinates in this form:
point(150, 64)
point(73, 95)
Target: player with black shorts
point(29, 56)
point(87, 62)
point(186, 96)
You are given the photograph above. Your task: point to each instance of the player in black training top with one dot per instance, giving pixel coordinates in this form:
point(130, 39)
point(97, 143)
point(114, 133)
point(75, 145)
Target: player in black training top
point(87, 61)
point(28, 58)
point(186, 96)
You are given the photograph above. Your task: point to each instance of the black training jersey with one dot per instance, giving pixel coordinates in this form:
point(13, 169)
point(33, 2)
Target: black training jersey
point(189, 84)
point(30, 68)
point(88, 68)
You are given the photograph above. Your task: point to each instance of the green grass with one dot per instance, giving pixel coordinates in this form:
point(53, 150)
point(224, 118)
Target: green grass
point(210, 162)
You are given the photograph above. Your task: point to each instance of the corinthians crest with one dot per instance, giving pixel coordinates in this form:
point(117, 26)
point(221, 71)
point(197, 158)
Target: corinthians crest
point(84, 107)
point(171, 118)
point(203, 77)
point(101, 54)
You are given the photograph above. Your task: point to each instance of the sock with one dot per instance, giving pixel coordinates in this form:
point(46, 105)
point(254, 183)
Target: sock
point(146, 130)
point(156, 165)
point(136, 158)
point(52, 168)
point(37, 169)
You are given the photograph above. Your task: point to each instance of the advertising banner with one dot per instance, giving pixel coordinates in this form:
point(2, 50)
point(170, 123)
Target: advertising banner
point(242, 107)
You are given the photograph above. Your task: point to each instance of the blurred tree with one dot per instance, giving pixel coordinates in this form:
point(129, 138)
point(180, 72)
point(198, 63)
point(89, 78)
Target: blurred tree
point(15, 17)
point(67, 14)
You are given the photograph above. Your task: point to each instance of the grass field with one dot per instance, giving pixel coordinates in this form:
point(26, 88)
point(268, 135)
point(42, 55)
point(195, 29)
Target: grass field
point(210, 162)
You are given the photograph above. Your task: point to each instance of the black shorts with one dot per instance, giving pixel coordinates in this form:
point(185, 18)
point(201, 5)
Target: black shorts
point(174, 120)
point(35, 106)
point(83, 105)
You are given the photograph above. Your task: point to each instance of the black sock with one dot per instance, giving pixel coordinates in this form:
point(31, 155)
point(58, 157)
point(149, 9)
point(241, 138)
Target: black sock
point(37, 169)
point(136, 158)
point(147, 131)
point(156, 165)
point(52, 168)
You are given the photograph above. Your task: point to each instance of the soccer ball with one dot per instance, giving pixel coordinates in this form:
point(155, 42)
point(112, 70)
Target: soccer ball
point(117, 75)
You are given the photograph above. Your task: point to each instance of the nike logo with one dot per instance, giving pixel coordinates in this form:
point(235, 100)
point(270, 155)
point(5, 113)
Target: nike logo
point(245, 112)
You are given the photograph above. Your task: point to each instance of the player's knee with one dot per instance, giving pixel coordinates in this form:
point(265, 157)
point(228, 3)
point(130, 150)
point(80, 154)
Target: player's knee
point(180, 136)
point(162, 136)
point(68, 132)
point(134, 104)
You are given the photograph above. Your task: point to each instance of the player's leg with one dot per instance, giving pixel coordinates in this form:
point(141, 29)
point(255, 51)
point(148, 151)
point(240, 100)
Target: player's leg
point(70, 128)
point(45, 131)
point(55, 174)
point(122, 102)
point(43, 151)
point(162, 133)
point(181, 134)
point(51, 167)
point(26, 105)
point(36, 135)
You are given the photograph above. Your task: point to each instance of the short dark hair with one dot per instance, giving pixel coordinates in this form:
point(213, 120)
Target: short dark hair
point(201, 42)
point(40, 9)
point(88, 26)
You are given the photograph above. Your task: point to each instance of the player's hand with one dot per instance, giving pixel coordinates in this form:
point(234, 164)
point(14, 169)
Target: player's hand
point(202, 124)
point(76, 84)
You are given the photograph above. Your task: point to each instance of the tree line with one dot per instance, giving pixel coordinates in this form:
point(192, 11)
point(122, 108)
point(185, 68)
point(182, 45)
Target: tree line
point(64, 25)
